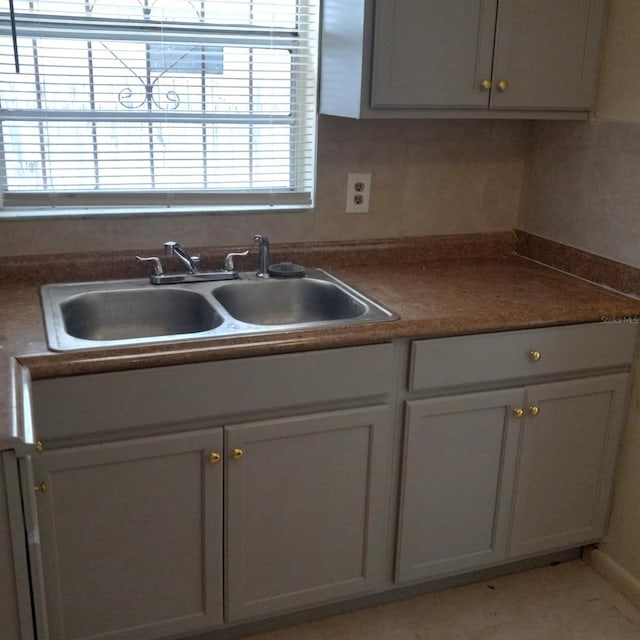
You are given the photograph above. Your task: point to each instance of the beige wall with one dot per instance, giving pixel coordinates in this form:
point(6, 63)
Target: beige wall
point(622, 541)
point(619, 93)
point(582, 187)
point(582, 181)
point(429, 177)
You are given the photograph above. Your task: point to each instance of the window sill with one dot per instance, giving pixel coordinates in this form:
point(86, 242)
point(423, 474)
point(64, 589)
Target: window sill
point(60, 213)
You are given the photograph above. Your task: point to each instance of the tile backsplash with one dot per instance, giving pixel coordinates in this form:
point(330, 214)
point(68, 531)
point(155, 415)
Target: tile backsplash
point(429, 177)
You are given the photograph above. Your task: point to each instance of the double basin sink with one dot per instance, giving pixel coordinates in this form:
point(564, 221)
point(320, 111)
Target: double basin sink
point(130, 312)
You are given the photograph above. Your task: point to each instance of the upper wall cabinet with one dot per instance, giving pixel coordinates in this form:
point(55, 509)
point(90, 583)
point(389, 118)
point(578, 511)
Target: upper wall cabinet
point(460, 58)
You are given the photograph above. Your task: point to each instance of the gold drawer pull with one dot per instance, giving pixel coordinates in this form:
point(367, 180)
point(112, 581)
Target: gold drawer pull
point(41, 487)
point(236, 454)
point(486, 85)
point(518, 413)
point(535, 355)
point(214, 457)
point(533, 410)
point(503, 85)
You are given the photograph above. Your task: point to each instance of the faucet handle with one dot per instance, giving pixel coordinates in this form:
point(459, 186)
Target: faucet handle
point(228, 261)
point(157, 265)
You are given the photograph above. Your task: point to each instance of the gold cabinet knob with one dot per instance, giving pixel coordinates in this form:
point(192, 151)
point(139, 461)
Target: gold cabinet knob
point(236, 454)
point(41, 487)
point(214, 457)
point(518, 413)
point(535, 355)
point(503, 85)
point(486, 85)
point(39, 446)
point(533, 410)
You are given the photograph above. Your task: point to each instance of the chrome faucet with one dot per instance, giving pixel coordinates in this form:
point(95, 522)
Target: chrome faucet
point(192, 263)
point(195, 272)
point(263, 256)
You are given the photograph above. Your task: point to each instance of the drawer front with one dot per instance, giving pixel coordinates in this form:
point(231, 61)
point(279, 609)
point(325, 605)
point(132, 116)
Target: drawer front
point(477, 359)
point(98, 403)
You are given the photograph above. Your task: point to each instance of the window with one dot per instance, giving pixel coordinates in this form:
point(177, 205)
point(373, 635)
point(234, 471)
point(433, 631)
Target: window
point(158, 103)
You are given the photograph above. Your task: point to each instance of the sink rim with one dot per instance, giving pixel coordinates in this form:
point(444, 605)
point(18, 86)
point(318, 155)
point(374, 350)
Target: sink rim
point(53, 295)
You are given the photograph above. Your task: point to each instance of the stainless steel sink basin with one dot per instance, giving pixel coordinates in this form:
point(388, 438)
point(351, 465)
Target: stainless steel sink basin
point(286, 302)
point(134, 313)
point(130, 312)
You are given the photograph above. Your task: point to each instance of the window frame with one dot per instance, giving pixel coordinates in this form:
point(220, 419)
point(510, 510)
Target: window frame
point(38, 204)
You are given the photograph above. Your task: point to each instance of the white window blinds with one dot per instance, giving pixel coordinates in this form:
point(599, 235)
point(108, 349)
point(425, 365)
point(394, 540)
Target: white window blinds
point(158, 103)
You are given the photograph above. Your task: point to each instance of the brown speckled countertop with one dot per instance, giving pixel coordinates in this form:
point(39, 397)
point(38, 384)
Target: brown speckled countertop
point(434, 298)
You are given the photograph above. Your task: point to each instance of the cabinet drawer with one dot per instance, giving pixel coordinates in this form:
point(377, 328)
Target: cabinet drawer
point(98, 403)
point(474, 359)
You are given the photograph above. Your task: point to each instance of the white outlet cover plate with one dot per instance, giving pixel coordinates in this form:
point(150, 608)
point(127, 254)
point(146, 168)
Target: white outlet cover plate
point(352, 180)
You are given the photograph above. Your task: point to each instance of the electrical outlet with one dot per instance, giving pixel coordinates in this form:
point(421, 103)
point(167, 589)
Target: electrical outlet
point(358, 192)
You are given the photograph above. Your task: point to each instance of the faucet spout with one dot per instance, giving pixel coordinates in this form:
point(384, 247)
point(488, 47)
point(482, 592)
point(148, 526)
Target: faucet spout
point(263, 256)
point(192, 263)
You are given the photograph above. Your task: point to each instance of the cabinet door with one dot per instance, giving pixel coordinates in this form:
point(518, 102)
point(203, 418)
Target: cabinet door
point(433, 53)
point(547, 51)
point(457, 483)
point(307, 510)
point(566, 460)
point(131, 537)
point(15, 605)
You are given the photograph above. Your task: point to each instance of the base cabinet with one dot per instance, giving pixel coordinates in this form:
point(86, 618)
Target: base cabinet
point(131, 537)
point(568, 446)
point(307, 509)
point(512, 471)
point(132, 533)
point(509, 446)
point(459, 467)
point(15, 604)
point(506, 474)
point(260, 497)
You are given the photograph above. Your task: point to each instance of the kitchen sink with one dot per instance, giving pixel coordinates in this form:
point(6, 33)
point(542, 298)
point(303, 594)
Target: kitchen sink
point(131, 312)
point(286, 302)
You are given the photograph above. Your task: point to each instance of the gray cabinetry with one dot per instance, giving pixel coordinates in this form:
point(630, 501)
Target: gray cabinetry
point(15, 605)
point(175, 500)
point(479, 58)
point(141, 401)
point(131, 537)
point(138, 536)
point(518, 469)
point(307, 509)
point(547, 52)
point(432, 53)
point(568, 447)
point(459, 466)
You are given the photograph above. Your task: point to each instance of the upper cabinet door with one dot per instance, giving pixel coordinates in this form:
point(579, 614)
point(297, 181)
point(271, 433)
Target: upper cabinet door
point(434, 53)
point(547, 53)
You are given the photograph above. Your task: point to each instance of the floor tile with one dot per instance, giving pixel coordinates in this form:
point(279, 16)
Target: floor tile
point(592, 620)
point(568, 601)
